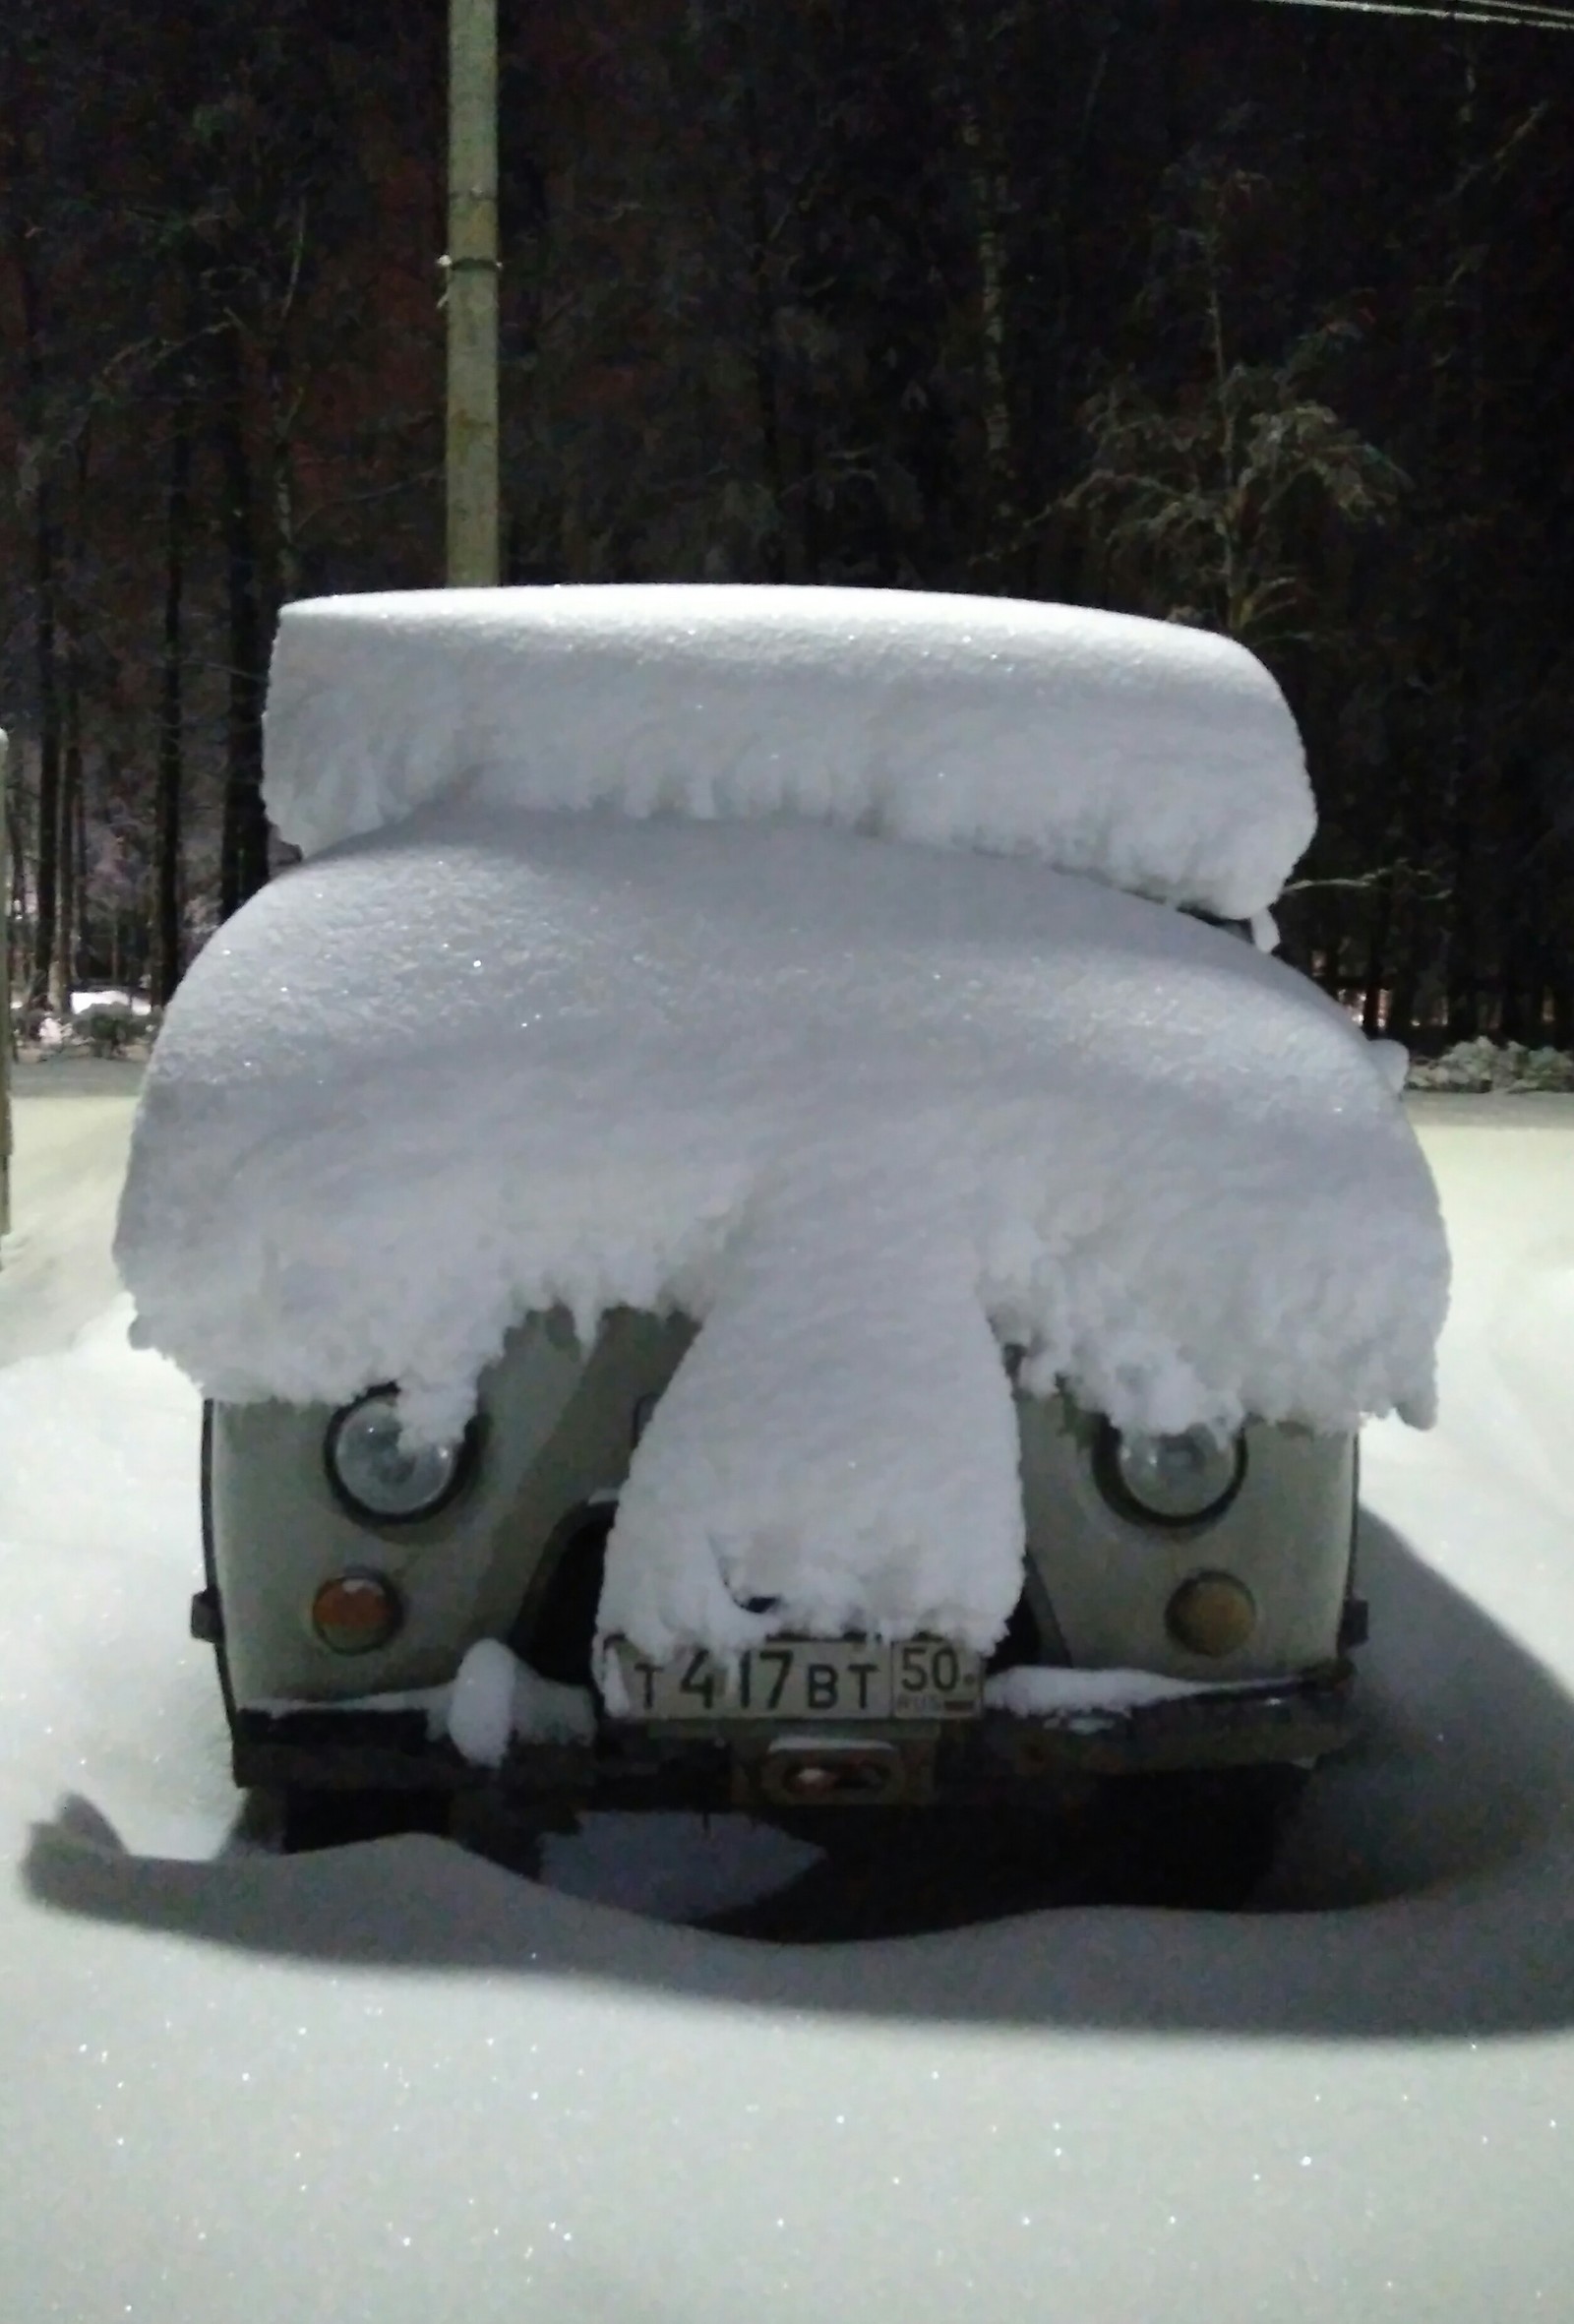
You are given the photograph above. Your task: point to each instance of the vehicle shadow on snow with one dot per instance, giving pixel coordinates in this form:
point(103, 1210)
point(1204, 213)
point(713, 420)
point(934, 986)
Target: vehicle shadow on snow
point(1424, 1890)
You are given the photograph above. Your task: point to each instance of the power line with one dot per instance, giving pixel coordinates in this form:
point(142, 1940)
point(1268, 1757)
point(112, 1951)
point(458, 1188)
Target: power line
point(1545, 16)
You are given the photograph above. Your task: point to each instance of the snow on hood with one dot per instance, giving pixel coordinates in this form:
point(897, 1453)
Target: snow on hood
point(866, 1109)
point(1157, 758)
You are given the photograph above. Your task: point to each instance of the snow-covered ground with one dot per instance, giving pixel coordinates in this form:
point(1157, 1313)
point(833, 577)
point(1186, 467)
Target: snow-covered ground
point(69, 1157)
point(398, 2084)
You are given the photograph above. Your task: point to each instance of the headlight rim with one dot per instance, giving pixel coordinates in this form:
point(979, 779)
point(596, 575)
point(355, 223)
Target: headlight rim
point(1111, 1484)
point(466, 1450)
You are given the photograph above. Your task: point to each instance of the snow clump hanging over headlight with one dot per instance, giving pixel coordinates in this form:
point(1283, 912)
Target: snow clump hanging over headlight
point(1181, 1480)
point(382, 1474)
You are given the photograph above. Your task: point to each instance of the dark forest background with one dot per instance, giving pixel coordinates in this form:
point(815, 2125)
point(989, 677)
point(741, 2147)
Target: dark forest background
point(1250, 316)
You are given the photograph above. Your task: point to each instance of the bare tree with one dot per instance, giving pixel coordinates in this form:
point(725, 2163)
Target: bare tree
point(1207, 503)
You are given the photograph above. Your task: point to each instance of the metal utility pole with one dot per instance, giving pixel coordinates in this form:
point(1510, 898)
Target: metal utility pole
point(5, 1003)
point(471, 267)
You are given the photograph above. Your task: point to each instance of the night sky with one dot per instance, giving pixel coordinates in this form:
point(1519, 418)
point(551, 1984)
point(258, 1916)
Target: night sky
point(1247, 315)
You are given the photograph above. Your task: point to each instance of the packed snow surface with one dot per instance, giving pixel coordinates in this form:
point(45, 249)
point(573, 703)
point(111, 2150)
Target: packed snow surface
point(1158, 757)
point(866, 1109)
point(1034, 1691)
point(393, 2085)
point(66, 1178)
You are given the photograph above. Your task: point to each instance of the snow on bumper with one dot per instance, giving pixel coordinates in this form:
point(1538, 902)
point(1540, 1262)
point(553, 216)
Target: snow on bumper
point(1001, 1753)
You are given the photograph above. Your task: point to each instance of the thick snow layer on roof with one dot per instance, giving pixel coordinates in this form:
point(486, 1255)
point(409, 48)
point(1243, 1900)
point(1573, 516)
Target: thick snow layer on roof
point(1157, 758)
point(866, 1109)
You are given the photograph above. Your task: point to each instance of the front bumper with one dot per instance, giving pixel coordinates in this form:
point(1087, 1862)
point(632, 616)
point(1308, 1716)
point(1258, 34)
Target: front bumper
point(1000, 1758)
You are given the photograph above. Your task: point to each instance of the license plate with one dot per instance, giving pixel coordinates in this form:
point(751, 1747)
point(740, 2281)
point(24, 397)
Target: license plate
point(800, 1679)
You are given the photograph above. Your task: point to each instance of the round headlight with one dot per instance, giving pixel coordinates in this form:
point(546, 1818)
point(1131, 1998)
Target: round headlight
point(1181, 1480)
point(378, 1474)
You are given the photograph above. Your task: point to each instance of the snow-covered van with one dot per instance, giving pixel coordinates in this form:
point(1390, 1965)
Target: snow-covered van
point(758, 1223)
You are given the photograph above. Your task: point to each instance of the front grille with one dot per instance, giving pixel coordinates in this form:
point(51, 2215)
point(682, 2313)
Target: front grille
point(555, 1631)
point(1023, 1641)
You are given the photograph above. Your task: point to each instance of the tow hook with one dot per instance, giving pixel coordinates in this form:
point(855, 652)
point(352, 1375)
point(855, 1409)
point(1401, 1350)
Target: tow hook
point(811, 1771)
point(207, 1617)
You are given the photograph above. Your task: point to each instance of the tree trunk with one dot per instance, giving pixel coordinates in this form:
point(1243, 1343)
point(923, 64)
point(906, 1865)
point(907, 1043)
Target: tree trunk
point(778, 564)
point(1462, 963)
point(166, 927)
point(243, 846)
point(47, 875)
point(989, 188)
point(287, 566)
point(14, 901)
point(1470, 860)
point(1563, 1014)
point(1376, 969)
point(64, 981)
point(47, 585)
point(78, 842)
point(1401, 1024)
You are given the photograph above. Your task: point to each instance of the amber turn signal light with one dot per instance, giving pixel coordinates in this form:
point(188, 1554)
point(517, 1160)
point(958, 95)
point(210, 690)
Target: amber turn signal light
point(356, 1613)
point(1212, 1614)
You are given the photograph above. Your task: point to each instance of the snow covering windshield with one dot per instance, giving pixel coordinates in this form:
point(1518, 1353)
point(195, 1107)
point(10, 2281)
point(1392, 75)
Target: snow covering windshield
point(867, 1108)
